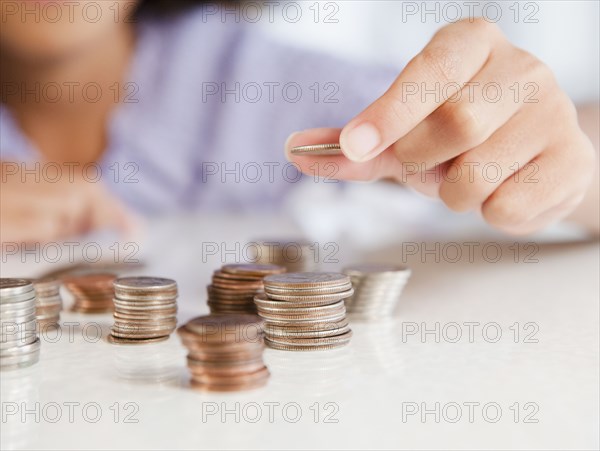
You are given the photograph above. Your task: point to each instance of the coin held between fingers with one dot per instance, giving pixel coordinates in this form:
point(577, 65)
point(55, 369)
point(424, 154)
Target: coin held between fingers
point(318, 150)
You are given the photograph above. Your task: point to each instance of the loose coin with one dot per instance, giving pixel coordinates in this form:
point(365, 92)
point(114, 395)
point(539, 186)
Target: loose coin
point(318, 150)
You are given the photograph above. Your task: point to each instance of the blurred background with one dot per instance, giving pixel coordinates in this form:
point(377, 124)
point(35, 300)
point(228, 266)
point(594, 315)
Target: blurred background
point(563, 34)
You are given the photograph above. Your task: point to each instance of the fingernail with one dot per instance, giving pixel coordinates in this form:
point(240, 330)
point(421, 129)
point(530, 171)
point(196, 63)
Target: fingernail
point(289, 140)
point(287, 145)
point(360, 141)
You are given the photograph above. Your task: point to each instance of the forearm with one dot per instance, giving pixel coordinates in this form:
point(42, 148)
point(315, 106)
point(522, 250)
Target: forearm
point(587, 213)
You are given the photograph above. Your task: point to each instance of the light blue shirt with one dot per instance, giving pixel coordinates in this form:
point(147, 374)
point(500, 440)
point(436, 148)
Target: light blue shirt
point(210, 106)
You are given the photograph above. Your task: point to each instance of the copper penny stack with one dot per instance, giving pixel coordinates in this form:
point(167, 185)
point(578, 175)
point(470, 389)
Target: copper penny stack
point(377, 289)
point(48, 302)
point(305, 311)
point(145, 310)
point(93, 293)
point(234, 286)
point(19, 345)
point(295, 256)
point(225, 352)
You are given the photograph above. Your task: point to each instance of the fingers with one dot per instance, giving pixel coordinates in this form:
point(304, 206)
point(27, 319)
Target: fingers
point(482, 107)
point(107, 212)
point(546, 190)
point(454, 55)
point(43, 212)
point(339, 167)
point(473, 176)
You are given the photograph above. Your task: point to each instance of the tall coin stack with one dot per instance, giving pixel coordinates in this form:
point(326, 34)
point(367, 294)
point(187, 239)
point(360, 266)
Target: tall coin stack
point(305, 311)
point(48, 302)
point(234, 286)
point(295, 256)
point(145, 310)
point(20, 345)
point(377, 289)
point(92, 293)
point(225, 352)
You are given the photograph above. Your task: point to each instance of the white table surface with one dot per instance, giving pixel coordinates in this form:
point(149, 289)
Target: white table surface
point(360, 392)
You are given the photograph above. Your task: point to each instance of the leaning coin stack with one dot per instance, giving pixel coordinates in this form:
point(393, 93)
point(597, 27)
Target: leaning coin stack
point(48, 302)
point(20, 345)
point(377, 289)
point(305, 311)
point(295, 256)
point(93, 293)
point(225, 352)
point(234, 286)
point(145, 310)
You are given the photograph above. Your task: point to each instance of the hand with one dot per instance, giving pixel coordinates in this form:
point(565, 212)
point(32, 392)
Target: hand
point(43, 211)
point(500, 137)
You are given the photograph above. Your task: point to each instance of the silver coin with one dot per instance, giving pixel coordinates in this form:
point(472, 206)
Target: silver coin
point(276, 318)
point(303, 310)
point(318, 150)
point(303, 321)
point(23, 340)
point(306, 280)
point(135, 341)
point(377, 289)
point(154, 296)
point(7, 309)
point(136, 329)
point(144, 303)
point(299, 299)
point(17, 316)
point(54, 306)
point(15, 299)
point(8, 327)
point(374, 269)
point(309, 291)
point(313, 341)
point(144, 283)
point(19, 361)
point(262, 301)
point(20, 350)
point(144, 308)
point(48, 318)
point(144, 317)
point(133, 335)
point(11, 287)
point(273, 332)
point(307, 348)
point(314, 327)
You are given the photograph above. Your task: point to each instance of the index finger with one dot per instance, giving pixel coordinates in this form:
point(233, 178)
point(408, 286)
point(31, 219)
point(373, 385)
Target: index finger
point(454, 56)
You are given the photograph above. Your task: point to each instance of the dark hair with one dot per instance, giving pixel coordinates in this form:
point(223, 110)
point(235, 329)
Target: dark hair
point(160, 7)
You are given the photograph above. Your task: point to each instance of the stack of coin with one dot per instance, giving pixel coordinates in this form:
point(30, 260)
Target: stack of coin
point(20, 345)
point(145, 310)
point(93, 293)
point(377, 289)
point(234, 286)
point(305, 311)
point(48, 302)
point(295, 256)
point(225, 352)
